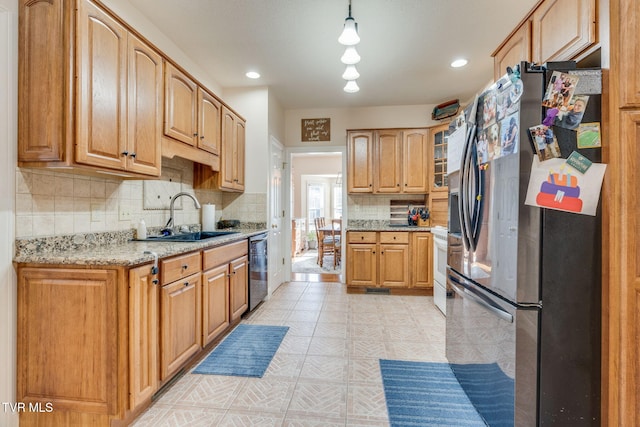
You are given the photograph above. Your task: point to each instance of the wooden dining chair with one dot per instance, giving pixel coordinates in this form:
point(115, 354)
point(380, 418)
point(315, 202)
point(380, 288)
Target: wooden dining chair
point(326, 241)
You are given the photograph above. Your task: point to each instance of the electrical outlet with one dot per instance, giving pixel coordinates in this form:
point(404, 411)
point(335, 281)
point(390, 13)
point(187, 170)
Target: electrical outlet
point(124, 213)
point(97, 212)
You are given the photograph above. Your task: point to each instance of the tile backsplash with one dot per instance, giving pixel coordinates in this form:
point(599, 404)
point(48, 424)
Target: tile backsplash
point(50, 203)
point(373, 207)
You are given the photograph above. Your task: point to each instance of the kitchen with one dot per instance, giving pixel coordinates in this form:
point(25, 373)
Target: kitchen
point(245, 101)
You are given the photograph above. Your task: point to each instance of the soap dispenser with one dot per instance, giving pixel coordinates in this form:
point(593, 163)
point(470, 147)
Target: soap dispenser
point(142, 230)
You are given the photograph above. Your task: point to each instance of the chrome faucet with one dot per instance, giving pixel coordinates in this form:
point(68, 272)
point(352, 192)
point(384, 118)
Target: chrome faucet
point(171, 209)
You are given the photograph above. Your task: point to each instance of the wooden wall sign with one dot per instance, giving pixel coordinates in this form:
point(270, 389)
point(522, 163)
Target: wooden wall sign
point(316, 130)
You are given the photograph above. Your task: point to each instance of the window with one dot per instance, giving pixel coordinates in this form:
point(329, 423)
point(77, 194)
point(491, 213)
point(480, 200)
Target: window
point(315, 201)
point(337, 201)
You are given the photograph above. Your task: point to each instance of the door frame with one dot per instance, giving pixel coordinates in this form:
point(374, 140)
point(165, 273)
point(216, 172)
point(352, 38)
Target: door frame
point(342, 149)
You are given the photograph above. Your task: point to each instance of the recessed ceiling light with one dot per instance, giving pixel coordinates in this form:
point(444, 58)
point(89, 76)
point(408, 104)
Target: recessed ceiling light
point(459, 63)
point(253, 75)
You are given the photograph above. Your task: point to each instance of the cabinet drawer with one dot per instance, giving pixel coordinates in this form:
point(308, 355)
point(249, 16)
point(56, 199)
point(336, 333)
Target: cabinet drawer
point(394, 237)
point(361, 237)
point(179, 267)
point(223, 254)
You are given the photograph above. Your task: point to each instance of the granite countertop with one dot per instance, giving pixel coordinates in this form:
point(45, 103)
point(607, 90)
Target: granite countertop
point(119, 253)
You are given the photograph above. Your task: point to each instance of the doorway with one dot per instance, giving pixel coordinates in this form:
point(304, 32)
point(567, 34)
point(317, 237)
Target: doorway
point(316, 191)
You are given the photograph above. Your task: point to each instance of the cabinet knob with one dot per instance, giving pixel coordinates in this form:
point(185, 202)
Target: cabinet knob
point(394, 237)
point(186, 284)
point(373, 252)
point(185, 266)
point(202, 137)
point(133, 155)
point(155, 281)
point(125, 153)
point(370, 185)
point(382, 253)
point(195, 134)
point(398, 185)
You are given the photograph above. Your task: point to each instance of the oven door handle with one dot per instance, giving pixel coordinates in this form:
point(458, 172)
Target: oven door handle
point(461, 290)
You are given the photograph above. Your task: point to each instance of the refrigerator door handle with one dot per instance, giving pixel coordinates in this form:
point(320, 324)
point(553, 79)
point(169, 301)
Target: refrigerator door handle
point(461, 290)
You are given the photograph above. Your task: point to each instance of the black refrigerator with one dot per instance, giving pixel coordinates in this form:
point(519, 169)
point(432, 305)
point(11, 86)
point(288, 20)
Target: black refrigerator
point(523, 323)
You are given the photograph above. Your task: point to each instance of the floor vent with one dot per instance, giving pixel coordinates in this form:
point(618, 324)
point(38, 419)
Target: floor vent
point(383, 291)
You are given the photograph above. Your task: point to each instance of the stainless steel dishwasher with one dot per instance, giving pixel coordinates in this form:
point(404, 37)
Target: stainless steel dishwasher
point(258, 269)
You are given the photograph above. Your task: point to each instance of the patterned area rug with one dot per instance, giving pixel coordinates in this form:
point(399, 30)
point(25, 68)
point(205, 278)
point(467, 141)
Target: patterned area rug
point(307, 263)
point(246, 352)
point(426, 394)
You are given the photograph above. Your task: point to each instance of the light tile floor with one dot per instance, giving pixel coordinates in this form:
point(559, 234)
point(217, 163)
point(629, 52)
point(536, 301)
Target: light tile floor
point(326, 371)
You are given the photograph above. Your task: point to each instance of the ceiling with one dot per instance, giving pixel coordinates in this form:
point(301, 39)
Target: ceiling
point(406, 46)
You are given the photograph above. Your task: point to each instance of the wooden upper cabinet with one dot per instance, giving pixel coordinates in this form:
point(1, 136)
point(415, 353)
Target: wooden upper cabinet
point(388, 161)
point(360, 162)
point(630, 60)
point(438, 159)
point(99, 115)
point(515, 49)
point(181, 106)
point(562, 29)
point(415, 167)
point(144, 125)
point(45, 105)
point(231, 175)
point(209, 116)
point(101, 89)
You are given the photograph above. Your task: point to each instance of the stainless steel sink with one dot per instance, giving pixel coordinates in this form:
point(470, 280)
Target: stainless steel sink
point(189, 237)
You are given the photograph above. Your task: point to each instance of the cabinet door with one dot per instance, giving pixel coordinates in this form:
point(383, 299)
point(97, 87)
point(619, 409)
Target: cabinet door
point(46, 107)
point(362, 265)
point(228, 155)
point(239, 155)
point(145, 109)
point(422, 260)
point(180, 106)
point(101, 89)
point(438, 158)
point(180, 323)
point(215, 302)
point(387, 159)
point(516, 49)
point(415, 164)
point(394, 266)
point(210, 112)
point(68, 339)
point(143, 335)
point(239, 287)
point(360, 162)
point(562, 29)
point(629, 61)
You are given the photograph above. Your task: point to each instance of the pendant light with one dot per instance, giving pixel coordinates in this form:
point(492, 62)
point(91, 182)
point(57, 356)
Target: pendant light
point(351, 87)
point(350, 39)
point(349, 36)
point(350, 73)
point(350, 56)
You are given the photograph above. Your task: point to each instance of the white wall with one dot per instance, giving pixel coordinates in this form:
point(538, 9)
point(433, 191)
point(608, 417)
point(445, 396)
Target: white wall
point(135, 19)
point(8, 131)
point(402, 116)
point(253, 105)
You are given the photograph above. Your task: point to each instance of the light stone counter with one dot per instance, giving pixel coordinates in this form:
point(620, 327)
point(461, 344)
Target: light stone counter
point(113, 250)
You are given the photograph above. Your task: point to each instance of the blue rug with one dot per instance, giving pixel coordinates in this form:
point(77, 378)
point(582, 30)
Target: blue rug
point(245, 352)
point(425, 394)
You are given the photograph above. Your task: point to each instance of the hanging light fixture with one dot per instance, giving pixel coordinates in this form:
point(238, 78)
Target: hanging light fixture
point(350, 39)
point(351, 86)
point(350, 56)
point(350, 73)
point(349, 36)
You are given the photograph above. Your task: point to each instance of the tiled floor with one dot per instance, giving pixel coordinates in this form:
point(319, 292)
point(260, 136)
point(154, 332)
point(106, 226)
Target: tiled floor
point(326, 370)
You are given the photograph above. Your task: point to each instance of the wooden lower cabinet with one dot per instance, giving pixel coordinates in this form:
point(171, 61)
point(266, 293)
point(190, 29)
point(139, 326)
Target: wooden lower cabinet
point(96, 344)
point(422, 259)
point(238, 286)
point(215, 303)
point(143, 335)
point(180, 324)
point(388, 259)
point(71, 345)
